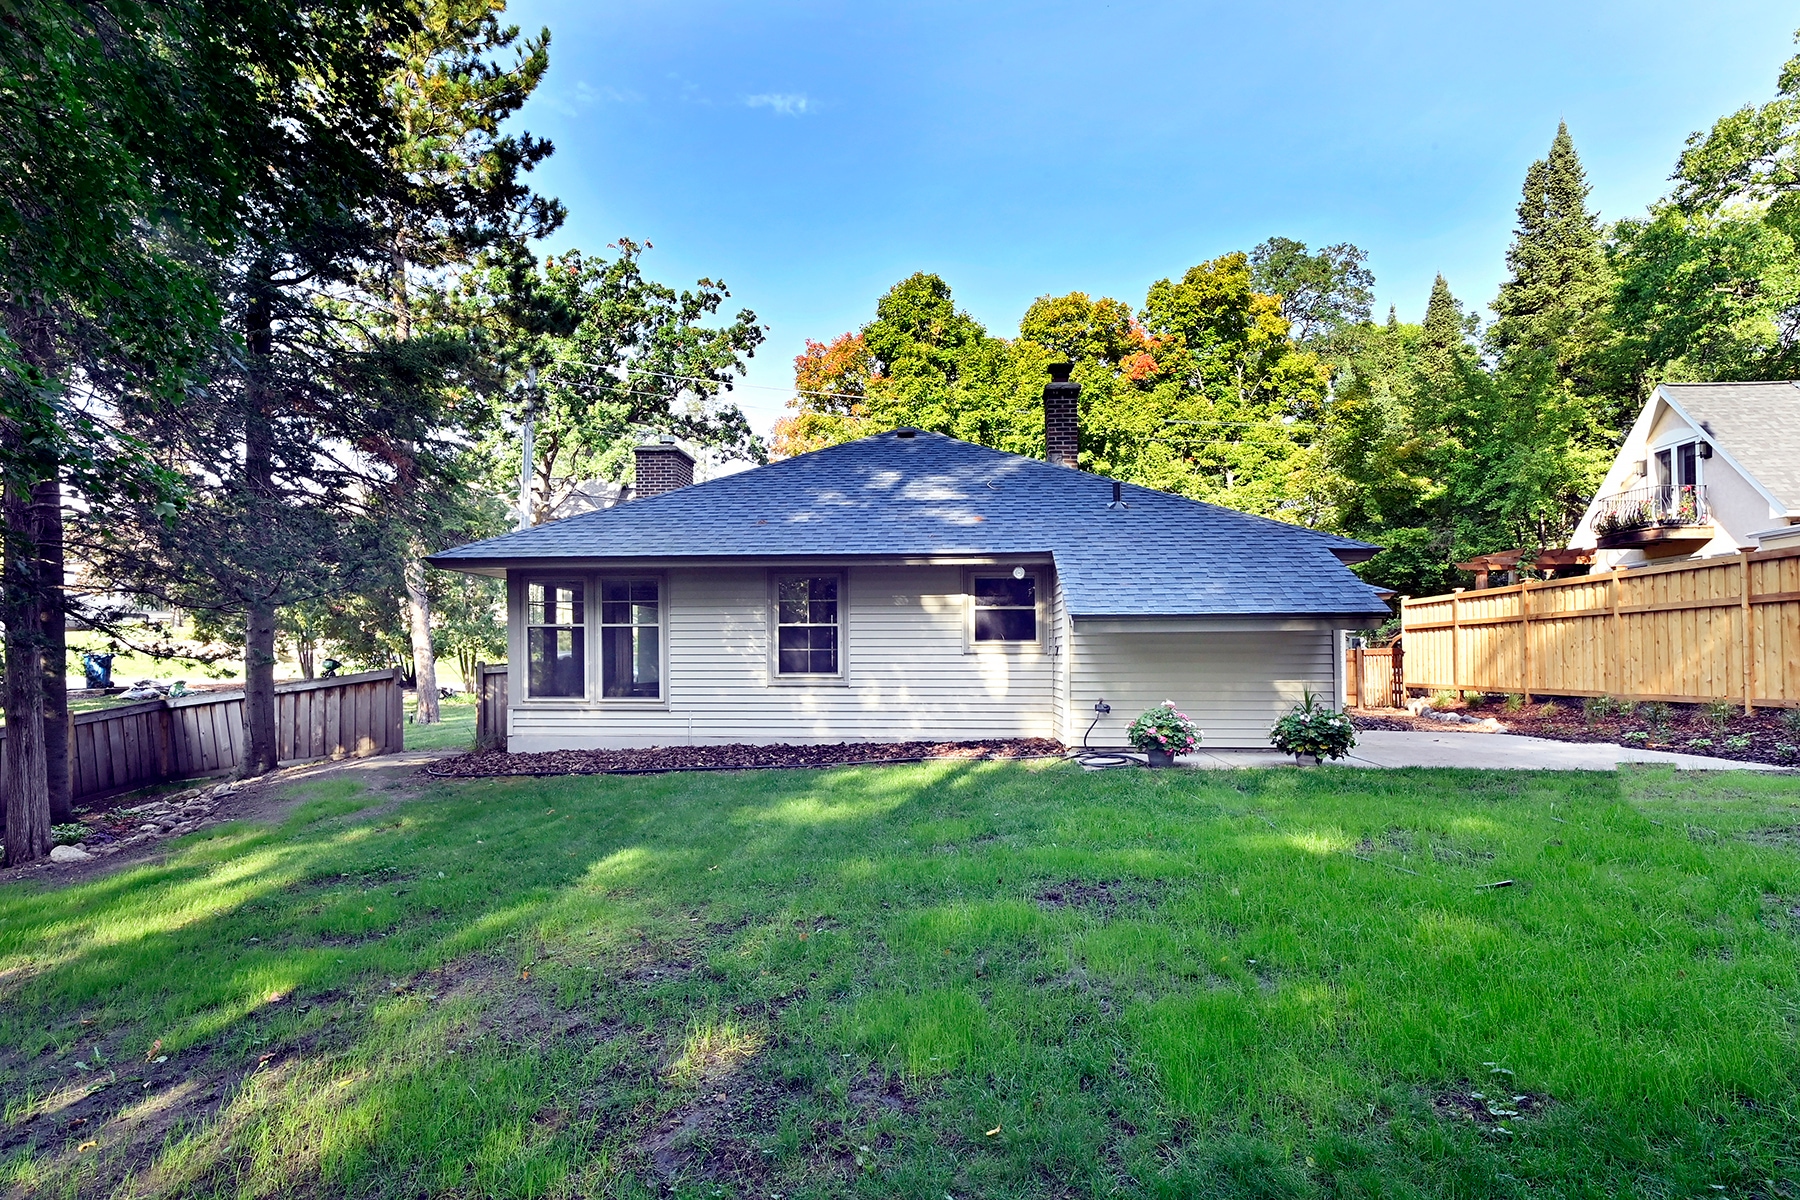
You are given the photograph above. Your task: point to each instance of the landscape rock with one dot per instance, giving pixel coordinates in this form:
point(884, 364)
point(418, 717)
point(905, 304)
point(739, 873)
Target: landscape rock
point(68, 854)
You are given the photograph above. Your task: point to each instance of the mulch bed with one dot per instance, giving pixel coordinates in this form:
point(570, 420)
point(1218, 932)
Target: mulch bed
point(1771, 739)
point(656, 759)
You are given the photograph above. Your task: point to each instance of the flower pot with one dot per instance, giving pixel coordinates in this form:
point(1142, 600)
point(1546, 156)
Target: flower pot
point(1160, 758)
point(1306, 760)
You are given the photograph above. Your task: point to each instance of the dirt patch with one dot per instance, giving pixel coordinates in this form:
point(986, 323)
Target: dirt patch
point(1493, 1104)
point(1782, 913)
point(1785, 837)
point(1106, 895)
point(657, 759)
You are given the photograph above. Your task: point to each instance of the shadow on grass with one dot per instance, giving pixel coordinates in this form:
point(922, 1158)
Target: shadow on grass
point(559, 986)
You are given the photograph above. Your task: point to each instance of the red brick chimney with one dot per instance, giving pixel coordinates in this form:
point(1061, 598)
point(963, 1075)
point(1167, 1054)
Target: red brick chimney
point(662, 466)
point(1062, 425)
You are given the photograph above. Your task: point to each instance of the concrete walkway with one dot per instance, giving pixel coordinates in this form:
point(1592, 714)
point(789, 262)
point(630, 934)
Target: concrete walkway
point(1509, 751)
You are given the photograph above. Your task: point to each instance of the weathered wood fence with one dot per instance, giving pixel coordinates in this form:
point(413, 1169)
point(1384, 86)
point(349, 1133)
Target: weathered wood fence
point(490, 706)
point(1374, 676)
point(1691, 632)
point(135, 745)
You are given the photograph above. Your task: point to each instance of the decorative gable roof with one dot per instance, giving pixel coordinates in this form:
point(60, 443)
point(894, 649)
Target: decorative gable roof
point(914, 494)
point(1758, 424)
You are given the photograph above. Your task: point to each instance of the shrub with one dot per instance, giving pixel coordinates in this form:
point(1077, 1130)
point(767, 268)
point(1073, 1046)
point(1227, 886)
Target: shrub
point(1719, 714)
point(1790, 720)
point(68, 835)
point(1515, 703)
point(1657, 715)
point(1445, 698)
point(1314, 729)
point(1738, 741)
point(1548, 709)
point(1165, 728)
point(1700, 743)
point(1636, 735)
point(1596, 709)
point(1787, 749)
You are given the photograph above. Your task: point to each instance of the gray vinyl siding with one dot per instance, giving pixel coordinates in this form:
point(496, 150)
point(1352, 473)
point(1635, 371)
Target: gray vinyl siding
point(909, 674)
point(1234, 684)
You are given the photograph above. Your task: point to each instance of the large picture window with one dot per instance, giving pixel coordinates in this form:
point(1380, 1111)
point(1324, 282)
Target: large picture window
point(630, 639)
point(807, 625)
point(1005, 608)
point(556, 638)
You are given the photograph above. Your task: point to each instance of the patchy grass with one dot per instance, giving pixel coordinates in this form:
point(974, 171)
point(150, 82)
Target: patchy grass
point(455, 732)
point(965, 979)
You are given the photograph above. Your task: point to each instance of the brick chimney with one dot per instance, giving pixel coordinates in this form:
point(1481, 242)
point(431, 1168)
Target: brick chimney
point(1062, 427)
point(662, 466)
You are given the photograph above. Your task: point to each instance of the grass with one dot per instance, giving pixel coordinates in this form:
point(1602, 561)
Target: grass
point(947, 979)
point(456, 730)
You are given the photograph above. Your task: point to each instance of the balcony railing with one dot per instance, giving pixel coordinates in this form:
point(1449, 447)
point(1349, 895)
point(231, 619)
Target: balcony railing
point(1667, 507)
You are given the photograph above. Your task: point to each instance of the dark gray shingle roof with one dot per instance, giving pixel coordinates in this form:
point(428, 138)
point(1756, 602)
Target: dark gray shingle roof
point(888, 495)
point(1757, 423)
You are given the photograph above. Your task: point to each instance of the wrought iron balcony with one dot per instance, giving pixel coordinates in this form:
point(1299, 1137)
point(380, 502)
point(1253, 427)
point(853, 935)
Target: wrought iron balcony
point(1673, 516)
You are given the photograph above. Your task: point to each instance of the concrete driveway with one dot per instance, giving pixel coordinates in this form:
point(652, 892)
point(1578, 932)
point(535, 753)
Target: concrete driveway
point(1509, 751)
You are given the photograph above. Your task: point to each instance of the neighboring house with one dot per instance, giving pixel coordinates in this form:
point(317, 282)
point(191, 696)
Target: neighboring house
point(1707, 468)
point(911, 586)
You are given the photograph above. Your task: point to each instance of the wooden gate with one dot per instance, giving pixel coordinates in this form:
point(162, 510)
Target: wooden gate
point(490, 706)
point(1374, 676)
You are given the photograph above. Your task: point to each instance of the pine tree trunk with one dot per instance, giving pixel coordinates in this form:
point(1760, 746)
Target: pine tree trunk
point(27, 798)
point(260, 751)
point(418, 604)
point(47, 529)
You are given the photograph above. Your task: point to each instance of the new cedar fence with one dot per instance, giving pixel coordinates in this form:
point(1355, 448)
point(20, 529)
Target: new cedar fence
point(1693, 632)
point(490, 706)
point(135, 745)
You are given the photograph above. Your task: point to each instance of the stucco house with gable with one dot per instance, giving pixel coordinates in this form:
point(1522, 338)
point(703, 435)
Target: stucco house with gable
point(912, 586)
point(1706, 469)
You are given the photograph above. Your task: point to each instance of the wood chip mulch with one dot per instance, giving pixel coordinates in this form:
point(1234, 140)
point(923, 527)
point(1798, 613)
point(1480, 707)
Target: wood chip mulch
point(656, 759)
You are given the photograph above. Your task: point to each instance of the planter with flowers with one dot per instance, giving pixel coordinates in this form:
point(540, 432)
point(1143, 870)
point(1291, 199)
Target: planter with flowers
point(1313, 732)
point(1163, 732)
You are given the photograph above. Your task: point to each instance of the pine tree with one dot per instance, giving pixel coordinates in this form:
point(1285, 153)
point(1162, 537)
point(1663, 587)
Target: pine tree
point(461, 192)
point(1549, 306)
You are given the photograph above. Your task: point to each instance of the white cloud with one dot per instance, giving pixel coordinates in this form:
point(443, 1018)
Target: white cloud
point(783, 104)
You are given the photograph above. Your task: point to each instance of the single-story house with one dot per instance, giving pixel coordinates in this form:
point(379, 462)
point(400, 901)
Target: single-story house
point(1707, 469)
point(912, 586)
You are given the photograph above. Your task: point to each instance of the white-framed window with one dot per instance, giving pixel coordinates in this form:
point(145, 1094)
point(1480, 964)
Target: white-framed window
point(631, 639)
point(1005, 606)
point(555, 638)
point(809, 625)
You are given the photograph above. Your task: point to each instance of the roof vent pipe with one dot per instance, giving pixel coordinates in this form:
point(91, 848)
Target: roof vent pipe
point(1118, 500)
point(1062, 424)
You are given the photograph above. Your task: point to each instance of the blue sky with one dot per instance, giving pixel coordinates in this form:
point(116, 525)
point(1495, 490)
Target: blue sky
point(810, 155)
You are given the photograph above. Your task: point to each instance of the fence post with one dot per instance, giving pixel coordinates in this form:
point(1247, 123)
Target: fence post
point(1615, 663)
point(1397, 675)
point(1744, 625)
point(1525, 631)
point(1456, 640)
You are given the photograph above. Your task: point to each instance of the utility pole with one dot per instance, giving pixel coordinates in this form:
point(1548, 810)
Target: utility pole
point(525, 437)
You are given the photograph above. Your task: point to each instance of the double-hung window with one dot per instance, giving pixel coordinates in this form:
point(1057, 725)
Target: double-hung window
point(1005, 607)
point(556, 638)
point(808, 625)
point(630, 639)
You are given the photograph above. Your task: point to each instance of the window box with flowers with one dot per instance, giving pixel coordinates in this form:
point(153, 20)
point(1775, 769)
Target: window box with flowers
point(1163, 732)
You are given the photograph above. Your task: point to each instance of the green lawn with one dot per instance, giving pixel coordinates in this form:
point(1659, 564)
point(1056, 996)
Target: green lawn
point(952, 979)
point(456, 731)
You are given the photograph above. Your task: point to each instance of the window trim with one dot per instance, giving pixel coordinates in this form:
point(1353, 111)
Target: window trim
point(842, 677)
point(526, 626)
point(1034, 571)
point(598, 685)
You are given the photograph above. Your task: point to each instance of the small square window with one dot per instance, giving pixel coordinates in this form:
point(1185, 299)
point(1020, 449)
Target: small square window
point(806, 625)
point(1005, 608)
